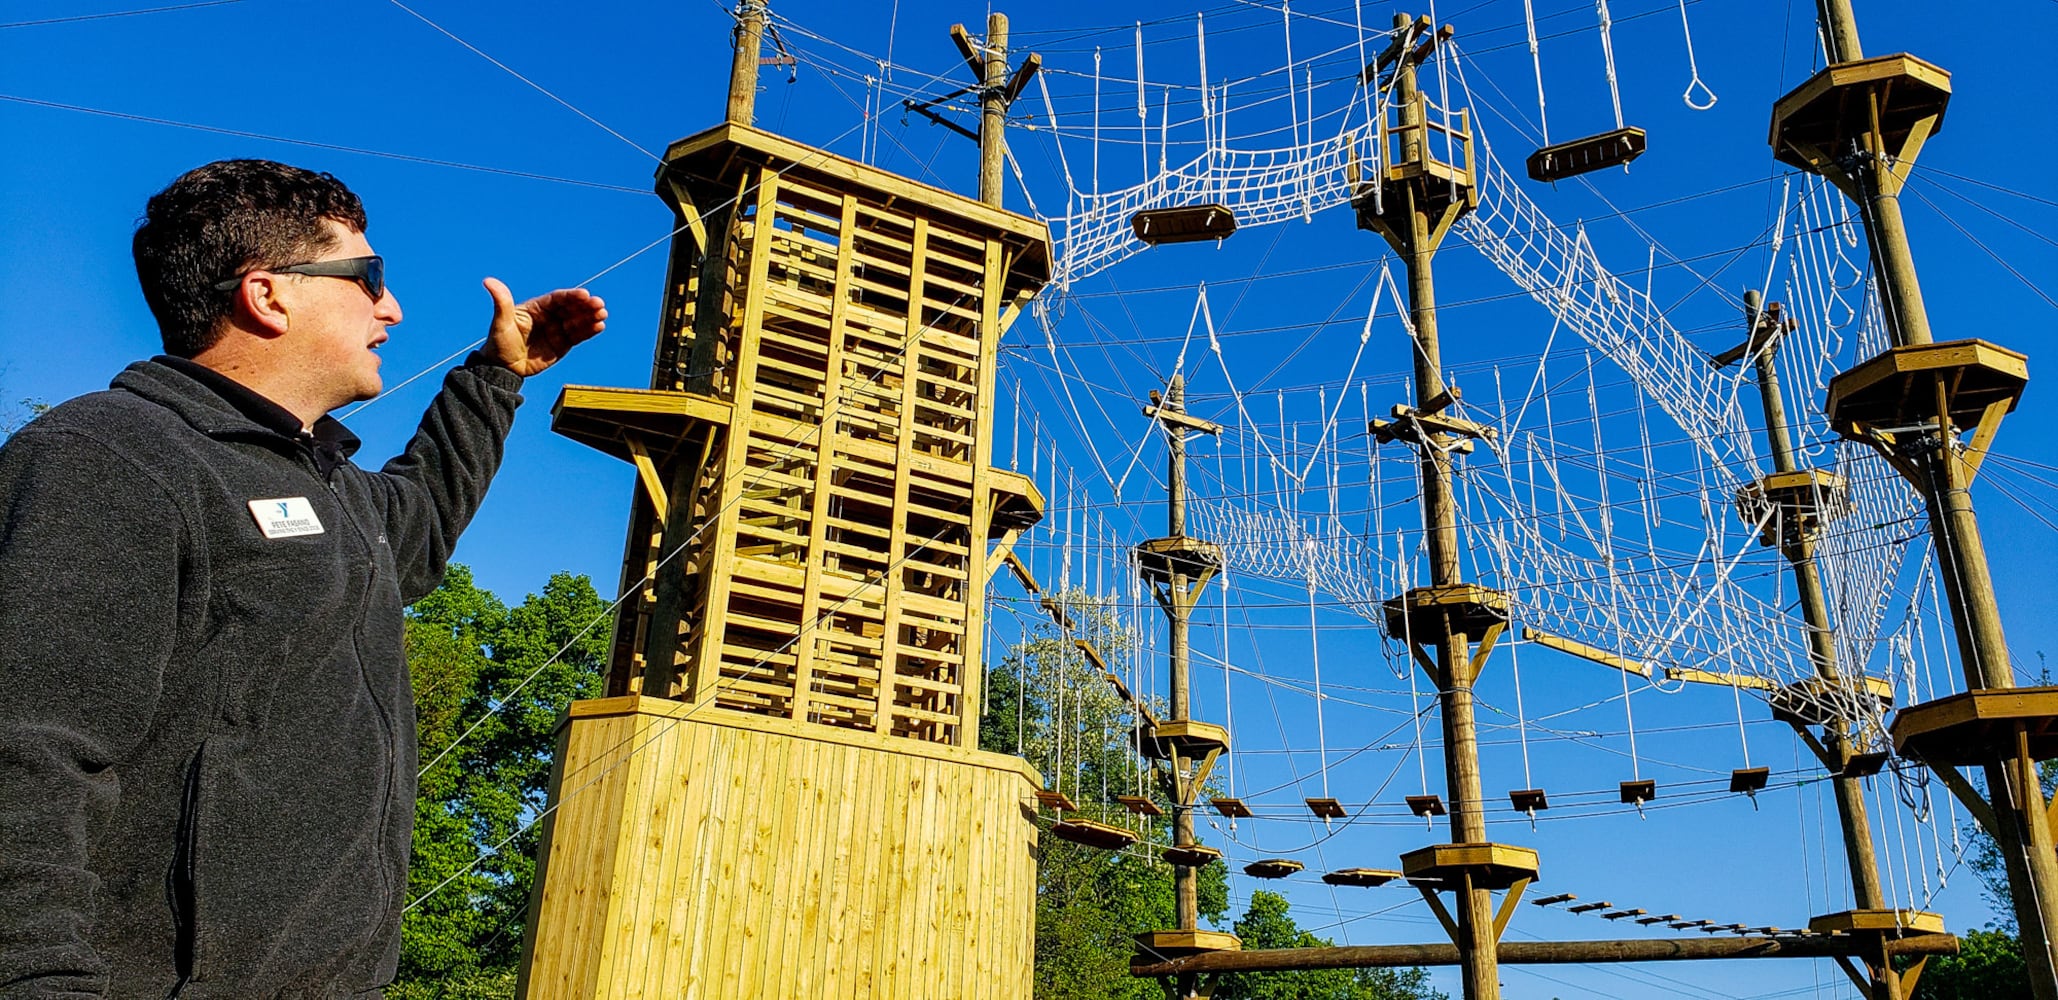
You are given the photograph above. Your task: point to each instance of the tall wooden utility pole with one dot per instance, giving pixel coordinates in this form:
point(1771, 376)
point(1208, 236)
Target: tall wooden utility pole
point(993, 107)
point(1450, 626)
point(750, 40)
point(1794, 505)
point(1177, 568)
point(1860, 123)
point(996, 89)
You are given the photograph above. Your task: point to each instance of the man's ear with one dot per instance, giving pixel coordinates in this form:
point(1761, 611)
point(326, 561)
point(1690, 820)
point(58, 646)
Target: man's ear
point(258, 306)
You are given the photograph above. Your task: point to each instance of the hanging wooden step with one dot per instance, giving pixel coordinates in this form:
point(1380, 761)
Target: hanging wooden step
point(1749, 779)
point(1272, 868)
point(1183, 224)
point(1056, 800)
point(1092, 834)
point(1140, 805)
point(1191, 856)
point(1326, 808)
point(1864, 765)
point(1588, 154)
point(1529, 800)
point(1364, 878)
point(1232, 808)
point(1639, 792)
point(1426, 805)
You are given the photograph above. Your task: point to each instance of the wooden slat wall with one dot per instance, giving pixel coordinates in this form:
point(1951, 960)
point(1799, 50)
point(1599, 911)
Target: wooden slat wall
point(691, 856)
point(837, 577)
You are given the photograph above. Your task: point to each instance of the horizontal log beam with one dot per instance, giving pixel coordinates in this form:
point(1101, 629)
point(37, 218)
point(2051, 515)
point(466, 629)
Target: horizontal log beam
point(1370, 956)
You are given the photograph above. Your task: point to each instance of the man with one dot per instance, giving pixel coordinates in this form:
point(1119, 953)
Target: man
point(207, 743)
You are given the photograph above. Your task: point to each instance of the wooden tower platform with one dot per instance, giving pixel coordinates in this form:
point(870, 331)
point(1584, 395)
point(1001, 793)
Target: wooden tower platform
point(781, 794)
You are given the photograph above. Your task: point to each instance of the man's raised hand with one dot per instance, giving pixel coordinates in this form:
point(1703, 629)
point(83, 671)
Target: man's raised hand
point(536, 334)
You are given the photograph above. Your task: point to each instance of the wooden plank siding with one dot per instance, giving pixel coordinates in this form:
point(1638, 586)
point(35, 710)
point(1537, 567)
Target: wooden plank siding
point(707, 853)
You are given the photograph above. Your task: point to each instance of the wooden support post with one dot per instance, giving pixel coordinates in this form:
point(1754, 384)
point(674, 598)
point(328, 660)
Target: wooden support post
point(750, 35)
point(993, 106)
point(1798, 546)
point(1430, 205)
point(1186, 882)
point(1874, 178)
point(1177, 580)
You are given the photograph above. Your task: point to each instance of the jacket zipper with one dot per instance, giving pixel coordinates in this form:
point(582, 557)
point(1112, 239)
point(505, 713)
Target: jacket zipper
point(185, 918)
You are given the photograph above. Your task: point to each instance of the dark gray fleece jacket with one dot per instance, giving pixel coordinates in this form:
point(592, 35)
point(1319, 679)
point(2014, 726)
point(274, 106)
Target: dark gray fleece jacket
point(207, 742)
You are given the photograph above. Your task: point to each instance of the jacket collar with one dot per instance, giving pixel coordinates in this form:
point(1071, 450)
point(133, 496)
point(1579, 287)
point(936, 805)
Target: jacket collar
point(218, 405)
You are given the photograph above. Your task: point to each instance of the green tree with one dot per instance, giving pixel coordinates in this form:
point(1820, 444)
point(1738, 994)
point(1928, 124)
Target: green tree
point(1047, 702)
point(1267, 924)
point(489, 684)
point(1988, 966)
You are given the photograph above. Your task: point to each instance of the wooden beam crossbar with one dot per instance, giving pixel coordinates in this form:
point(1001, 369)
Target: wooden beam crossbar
point(1549, 953)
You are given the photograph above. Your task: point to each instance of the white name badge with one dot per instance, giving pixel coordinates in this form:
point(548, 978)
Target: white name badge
point(285, 517)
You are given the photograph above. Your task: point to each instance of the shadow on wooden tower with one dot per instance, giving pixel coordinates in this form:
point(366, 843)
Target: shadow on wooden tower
point(780, 794)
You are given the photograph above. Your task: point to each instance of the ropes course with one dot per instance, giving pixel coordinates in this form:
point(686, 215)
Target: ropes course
point(1607, 480)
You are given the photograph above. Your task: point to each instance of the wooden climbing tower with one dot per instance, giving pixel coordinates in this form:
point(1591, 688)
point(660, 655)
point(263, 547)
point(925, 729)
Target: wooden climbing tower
point(1932, 410)
point(781, 794)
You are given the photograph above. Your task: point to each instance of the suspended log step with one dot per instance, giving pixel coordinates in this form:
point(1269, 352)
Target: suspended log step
point(1426, 805)
point(1232, 808)
point(1092, 834)
point(1590, 907)
point(1587, 154)
point(1140, 805)
point(1563, 897)
point(1749, 779)
point(1619, 914)
point(1326, 808)
point(1639, 792)
point(1529, 800)
point(1183, 224)
point(1364, 878)
point(1191, 856)
point(1273, 868)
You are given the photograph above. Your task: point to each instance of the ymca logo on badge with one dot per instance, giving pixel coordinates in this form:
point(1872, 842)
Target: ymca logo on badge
point(285, 517)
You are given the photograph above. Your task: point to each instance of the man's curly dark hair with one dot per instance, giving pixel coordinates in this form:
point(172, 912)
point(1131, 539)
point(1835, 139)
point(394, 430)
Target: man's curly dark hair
point(220, 220)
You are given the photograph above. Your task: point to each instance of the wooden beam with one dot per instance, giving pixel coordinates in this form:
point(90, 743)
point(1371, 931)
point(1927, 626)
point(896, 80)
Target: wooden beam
point(1443, 914)
point(1970, 798)
point(1594, 654)
point(1375, 956)
point(1507, 908)
point(1692, 676)
point(646, 470)
point(963, 40)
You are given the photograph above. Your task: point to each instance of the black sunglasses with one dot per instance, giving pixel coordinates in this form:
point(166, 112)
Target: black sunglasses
point(368, 272)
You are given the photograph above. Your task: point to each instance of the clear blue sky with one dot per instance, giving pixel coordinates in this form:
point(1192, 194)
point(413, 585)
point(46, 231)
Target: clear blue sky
point(378, 97)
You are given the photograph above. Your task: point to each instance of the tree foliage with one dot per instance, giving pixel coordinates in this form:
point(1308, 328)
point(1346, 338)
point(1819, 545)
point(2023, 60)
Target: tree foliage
point(1047, 702)
point(1988, 966)
point(1267, 924)
point(472, 659)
